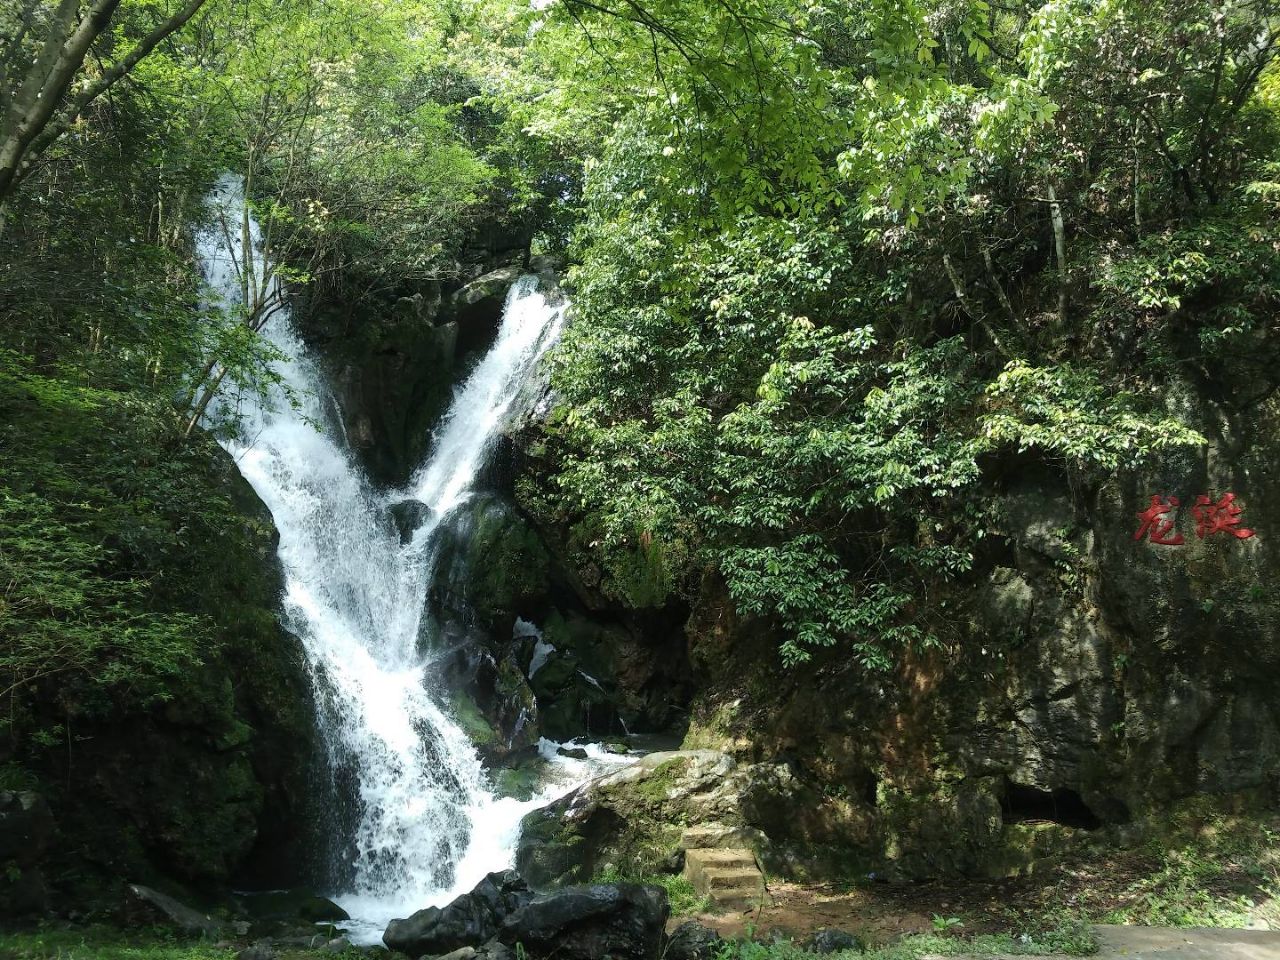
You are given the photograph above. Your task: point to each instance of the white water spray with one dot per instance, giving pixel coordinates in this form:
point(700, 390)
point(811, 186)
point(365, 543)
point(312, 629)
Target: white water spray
point(428, 826)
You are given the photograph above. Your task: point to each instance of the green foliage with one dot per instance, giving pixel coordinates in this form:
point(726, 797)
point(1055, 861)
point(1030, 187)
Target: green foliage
point(730, 403)
point(1208, 871)
point(348, 129)
point(106, 943)
point(840, 264)
point(60, 614)
point(1213, 282)
point(115, 544)
point(684, 899)
point(1068, 413)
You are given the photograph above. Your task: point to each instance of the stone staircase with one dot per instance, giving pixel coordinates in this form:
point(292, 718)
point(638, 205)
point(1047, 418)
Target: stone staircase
point(728, 876)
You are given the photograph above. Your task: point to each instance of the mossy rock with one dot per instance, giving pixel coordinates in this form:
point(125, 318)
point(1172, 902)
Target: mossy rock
point(492, 566)
point(629, 822)
point(472, 721)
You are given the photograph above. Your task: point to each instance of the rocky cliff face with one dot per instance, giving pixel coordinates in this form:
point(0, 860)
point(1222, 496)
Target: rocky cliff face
point(526, 638)
point(394, 358)
point(1101, 681)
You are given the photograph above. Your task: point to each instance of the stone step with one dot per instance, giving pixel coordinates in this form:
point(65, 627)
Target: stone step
point(705, 836)
point(702, 837)
point(697, 862)
point(729, 877)
point(732, 880)
point(721, 858)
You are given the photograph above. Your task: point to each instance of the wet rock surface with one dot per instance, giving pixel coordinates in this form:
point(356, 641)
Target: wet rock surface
point(471, 919)
point(624, 921)
point(286, 905)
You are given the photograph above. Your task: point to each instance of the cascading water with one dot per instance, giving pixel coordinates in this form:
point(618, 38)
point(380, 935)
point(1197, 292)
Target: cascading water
point(355, 595)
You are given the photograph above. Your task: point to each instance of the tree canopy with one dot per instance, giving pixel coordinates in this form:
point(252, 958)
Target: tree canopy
point(832, 263)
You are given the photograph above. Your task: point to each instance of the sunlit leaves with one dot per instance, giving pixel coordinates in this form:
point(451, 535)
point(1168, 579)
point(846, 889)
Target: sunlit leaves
point(1065, 412)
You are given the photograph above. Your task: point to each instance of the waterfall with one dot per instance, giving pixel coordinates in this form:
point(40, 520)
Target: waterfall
point(426, 824)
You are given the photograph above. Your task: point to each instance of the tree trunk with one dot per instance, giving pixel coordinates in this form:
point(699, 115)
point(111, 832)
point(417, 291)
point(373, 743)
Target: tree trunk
point(996, 286)
point(205, 399)
point(37, 115)
point(1060, 251)
point(978, 316)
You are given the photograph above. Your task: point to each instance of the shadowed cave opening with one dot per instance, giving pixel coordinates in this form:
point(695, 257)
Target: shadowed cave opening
point(1023, 804)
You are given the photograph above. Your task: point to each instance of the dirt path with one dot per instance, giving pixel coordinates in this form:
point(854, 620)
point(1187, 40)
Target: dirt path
point(882, 914)
point(795, 910)
point(1164, 943)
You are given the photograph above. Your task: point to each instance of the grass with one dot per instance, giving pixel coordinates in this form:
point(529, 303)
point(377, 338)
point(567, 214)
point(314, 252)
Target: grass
point(1072, 938)
point(108, 943)
point(103, 943)
point(685, 901)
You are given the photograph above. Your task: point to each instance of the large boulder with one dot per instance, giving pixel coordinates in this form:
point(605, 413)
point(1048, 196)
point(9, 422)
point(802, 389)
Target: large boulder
point(624, 921)
point(468, 921)
point(629, 821)
point(147, 907)
point(481, 300)
point(285, 905)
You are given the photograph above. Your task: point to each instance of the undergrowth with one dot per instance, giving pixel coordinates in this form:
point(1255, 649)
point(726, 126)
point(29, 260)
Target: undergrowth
point(684, 899)
point(1071, 938)
point(105, 944)
point(1212, 870)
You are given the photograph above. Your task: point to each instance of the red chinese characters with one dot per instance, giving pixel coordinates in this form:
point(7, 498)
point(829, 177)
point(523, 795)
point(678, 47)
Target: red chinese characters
point(1158, 522)
point(1154, 524)
point(1220, 517)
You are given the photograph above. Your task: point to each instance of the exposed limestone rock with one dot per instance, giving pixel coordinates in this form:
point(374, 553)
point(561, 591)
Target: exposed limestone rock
point(481, 300)
point(1096, 682)
point(637, 820)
